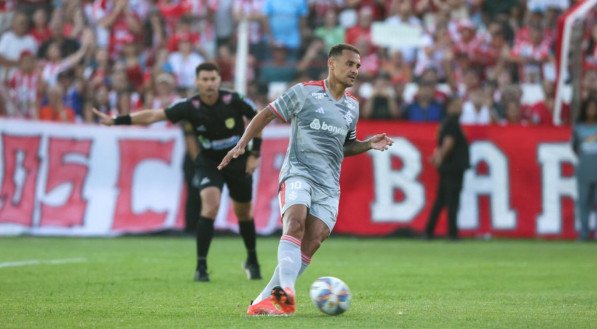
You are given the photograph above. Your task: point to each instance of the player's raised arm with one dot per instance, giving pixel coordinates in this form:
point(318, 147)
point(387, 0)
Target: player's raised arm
point(255, 127)
point(144, 118)
point(379, 142)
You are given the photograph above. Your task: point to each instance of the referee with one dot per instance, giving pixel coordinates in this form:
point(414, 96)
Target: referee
point(217, 118)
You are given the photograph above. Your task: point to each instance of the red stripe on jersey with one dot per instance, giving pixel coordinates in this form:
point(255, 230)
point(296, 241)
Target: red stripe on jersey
point(318, 83)
point(273, 108)
point(349, 94)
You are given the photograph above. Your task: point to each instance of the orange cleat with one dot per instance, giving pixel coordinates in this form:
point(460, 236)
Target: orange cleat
point(285, 299)
point(266, 307)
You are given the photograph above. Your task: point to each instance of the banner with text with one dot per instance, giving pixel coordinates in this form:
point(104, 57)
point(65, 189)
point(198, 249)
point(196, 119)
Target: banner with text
point(85, 180)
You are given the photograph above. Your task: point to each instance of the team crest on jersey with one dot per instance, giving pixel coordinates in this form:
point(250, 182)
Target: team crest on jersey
point(227, 98)
point(230, 123)
point(196, 103)
point(350, 105)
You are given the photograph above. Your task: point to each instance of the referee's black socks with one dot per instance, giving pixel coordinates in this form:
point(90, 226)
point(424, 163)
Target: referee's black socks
point(205, 232)
point(247, 231)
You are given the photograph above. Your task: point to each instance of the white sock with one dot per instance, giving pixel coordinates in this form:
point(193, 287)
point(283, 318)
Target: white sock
point(289, 260)
point(275, 280)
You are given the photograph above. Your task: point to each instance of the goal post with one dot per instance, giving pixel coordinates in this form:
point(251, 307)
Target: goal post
point(569, 38)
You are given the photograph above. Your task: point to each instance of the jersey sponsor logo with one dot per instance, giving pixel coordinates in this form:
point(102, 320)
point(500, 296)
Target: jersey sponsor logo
point(348, 117)
point(317, 125)
point(320, 110)
point(227, 98)
point(230, 123)
point(318, 95)
point(220, 144)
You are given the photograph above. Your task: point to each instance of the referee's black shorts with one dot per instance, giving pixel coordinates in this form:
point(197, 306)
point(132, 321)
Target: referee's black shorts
point(240, 185)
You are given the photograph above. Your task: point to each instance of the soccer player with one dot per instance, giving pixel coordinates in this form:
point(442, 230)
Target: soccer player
point(323, 117)
point(218, 118)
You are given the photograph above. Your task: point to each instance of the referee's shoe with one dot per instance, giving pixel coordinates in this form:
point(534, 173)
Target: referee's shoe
point(252, 270)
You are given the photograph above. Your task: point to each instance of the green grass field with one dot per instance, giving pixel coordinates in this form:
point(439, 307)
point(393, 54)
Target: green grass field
point(147, 283)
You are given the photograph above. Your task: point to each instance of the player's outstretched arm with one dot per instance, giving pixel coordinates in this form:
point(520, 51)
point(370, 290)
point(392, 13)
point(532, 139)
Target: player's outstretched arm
point(379, 142)
point(255, 127)
point(143, 118)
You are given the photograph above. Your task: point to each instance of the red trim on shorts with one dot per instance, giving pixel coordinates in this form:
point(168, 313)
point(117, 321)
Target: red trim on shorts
point(291, 239)
point(282, 195)
point(273, 108)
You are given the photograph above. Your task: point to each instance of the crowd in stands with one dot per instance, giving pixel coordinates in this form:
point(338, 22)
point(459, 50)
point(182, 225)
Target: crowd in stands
point(60, 58)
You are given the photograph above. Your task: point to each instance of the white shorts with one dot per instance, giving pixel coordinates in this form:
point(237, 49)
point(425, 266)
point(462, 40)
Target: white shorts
point(298, 190)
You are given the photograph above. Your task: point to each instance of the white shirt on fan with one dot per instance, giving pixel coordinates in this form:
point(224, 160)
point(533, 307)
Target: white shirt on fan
point(470, 116)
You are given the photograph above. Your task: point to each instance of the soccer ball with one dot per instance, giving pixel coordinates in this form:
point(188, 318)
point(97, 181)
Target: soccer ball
point(330, 295)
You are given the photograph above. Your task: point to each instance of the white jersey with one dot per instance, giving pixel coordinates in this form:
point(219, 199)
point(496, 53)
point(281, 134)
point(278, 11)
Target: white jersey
point(321, 126)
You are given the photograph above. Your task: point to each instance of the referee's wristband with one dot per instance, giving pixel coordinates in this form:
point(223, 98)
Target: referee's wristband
point(255, 147)
point(123, 120)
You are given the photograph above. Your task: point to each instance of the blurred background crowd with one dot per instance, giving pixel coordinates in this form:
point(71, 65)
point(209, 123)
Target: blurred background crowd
point(60, 58)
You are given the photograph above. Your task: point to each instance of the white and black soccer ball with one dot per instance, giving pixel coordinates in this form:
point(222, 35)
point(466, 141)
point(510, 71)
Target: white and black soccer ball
point(330, 295)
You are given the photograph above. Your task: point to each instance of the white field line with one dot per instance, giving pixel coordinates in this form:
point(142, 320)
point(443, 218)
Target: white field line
point(33, 262)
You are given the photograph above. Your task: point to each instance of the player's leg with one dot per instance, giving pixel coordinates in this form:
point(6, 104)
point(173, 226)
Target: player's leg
point(210, 191)
point(438, 204)
point(240, 186)
point(210, 202)
point(583, 206)
point(453, 189)
point(294, 197)
point(278, 296)
point(246, 226)
point(316, 231)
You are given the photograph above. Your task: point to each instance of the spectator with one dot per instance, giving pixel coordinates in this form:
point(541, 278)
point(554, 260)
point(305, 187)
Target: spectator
point(13, 43)
point(55, 63)
point(24, 88)
point(252, 10)
point(314, 62)
point(475, 111)
point(393, 64)
point(531, 55)
point(56, 110)
point(281, 68)
point(513, 114)
point(182, 62)
point(287, 20)
point(361, 33)
point(67, 45)
point(405, 16)
point(424, 108)
point(223, 20)
point(331, 32)
point(40, 29)
point(381, 104)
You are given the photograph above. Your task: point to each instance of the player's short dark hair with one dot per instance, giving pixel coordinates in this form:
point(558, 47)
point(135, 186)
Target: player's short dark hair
point(207, 66)
point(339, 48)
